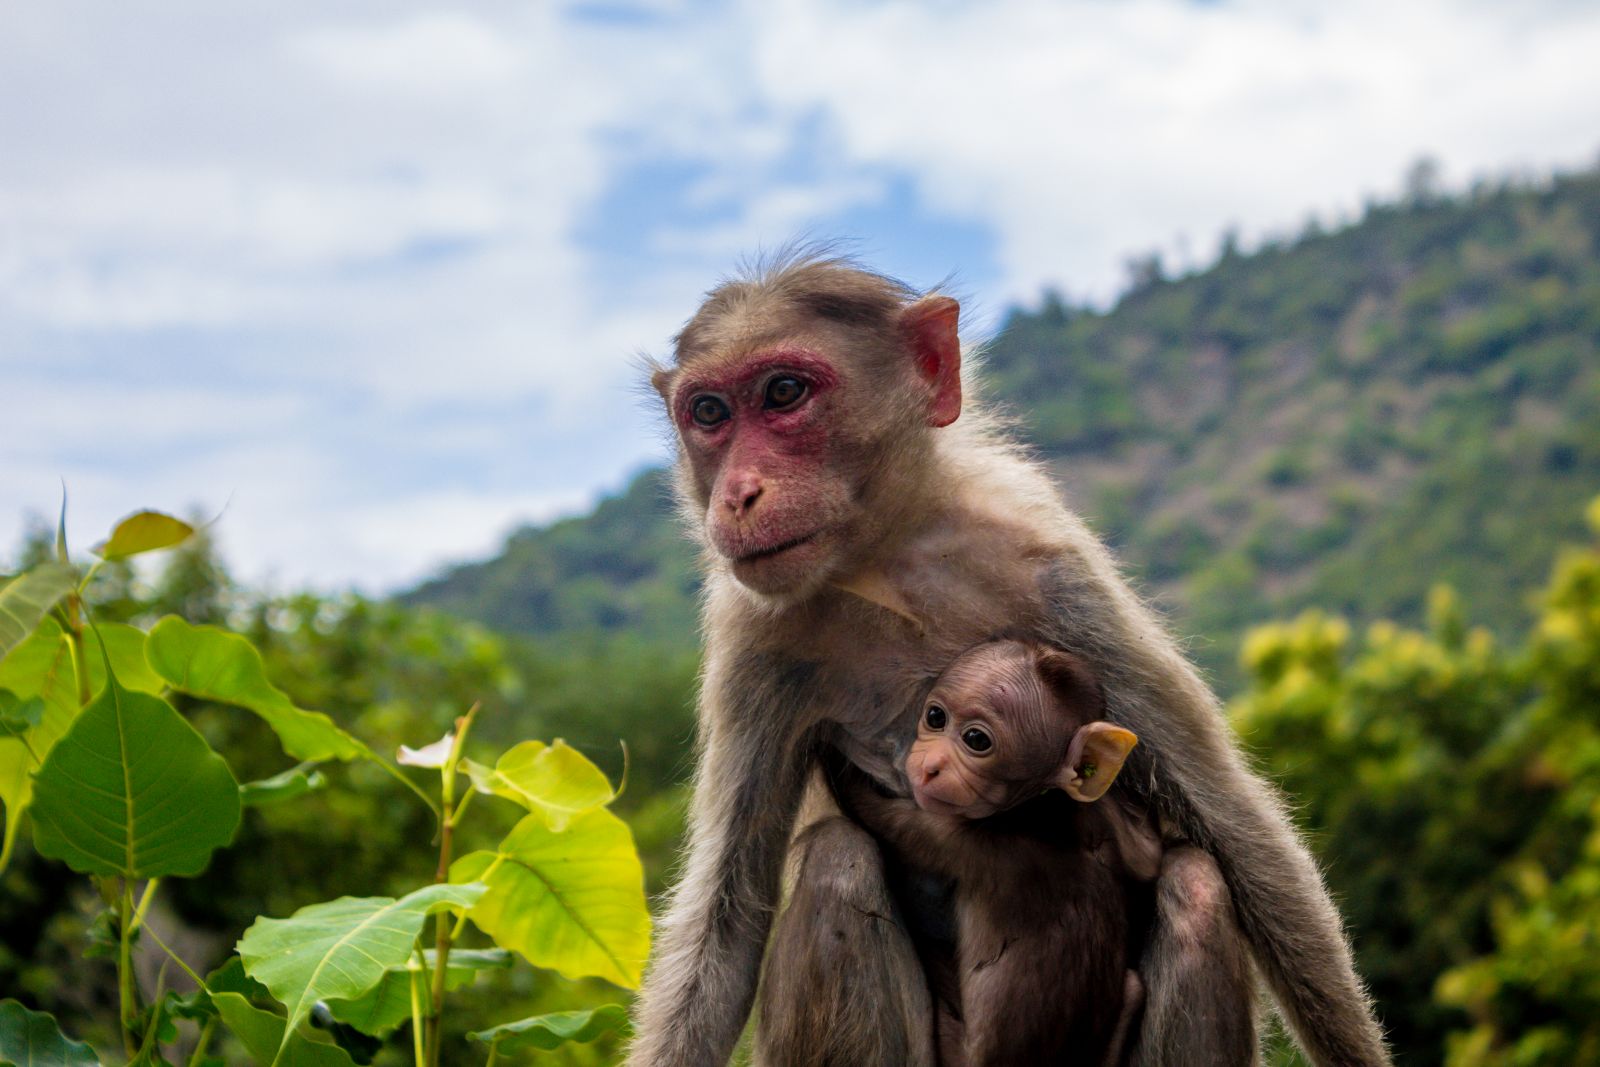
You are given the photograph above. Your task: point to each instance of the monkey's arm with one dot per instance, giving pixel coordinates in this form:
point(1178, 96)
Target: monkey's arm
point(1136, 842)
point(708, 944)
point(898, 822)
point(1198, 778)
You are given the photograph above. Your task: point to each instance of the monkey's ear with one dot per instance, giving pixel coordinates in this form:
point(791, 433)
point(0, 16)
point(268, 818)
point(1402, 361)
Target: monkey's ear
point(1094, 759)
point(930, 330)
point(1072, 683)
point(661, 381)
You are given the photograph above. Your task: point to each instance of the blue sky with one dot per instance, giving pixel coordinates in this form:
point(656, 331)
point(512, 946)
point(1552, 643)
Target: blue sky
point(376, 275)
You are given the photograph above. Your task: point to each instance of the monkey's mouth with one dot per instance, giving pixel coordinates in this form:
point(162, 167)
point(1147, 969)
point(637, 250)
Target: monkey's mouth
point(772, 551)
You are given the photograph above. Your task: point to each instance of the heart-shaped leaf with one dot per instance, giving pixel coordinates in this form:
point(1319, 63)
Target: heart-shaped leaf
point(570, 901)
point(545, 1033)
point(133, 789)
point(388, 1004)
point(40, 667)
point(32, 1039)
point(27, 598)
point(124, 646)
point(143, 531)
point(208, 662)
point(269, 1039)
point(340, 949)
point(555, 782)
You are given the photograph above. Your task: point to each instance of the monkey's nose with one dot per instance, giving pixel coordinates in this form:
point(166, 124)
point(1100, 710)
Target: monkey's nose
point(741, 493)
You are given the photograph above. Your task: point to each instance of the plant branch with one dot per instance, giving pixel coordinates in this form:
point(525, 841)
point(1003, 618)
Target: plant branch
point(416, 1019)
point(202, 1041)
point(144, 903)
point(200, 983)
point(443, 935)
point(125, 997)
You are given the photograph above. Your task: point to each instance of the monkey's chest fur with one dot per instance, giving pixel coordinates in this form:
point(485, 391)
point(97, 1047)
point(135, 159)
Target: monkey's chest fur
point(873, 666)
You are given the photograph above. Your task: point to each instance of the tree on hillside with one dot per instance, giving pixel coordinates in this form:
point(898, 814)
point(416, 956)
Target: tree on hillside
point(1452, 789)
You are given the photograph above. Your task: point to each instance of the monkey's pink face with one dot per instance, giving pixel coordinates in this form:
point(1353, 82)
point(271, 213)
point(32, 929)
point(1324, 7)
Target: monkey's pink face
point(757, 435)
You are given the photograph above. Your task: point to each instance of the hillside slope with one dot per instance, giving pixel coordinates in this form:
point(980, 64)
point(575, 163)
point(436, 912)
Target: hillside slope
point(1341, 420)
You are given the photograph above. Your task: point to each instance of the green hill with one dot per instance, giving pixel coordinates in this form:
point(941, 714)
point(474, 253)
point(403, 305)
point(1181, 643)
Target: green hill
point(1339, 420)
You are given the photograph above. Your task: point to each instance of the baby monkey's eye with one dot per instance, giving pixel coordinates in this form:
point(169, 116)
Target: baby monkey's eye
point(936, 717)
point(977, 740)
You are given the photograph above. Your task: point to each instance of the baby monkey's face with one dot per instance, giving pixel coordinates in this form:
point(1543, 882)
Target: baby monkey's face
point(1005, 722)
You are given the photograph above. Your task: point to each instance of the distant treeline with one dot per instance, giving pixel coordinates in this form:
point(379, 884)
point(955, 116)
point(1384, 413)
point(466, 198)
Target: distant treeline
point(1339, 421)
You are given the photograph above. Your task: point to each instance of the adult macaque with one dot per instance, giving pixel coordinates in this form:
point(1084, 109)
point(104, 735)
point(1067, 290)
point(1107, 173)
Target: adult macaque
point(861, 530)
point(1042, 891)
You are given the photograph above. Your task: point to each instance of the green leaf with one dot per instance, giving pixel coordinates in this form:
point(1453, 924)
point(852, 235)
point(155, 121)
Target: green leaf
point(555, 782)
point(388, 1004)
point(143, 531)
point(228, 978)
point(39, 667)
point(545, 1033)
point(571, 901)
point(268, 1038)
point(286, 785)
point(340, 949)
point(133, 789)
point(208, 662)
point(18, 716)
point(28, 598)
point(32, 1039)
point(124, 645)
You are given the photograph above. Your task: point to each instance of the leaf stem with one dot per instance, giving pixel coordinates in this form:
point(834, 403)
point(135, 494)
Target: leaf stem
point(461, 923)
point(399, 776)
point(494, 1052)
point(125, 967)
point(443, 935)
point(200, 983)
point(144, 903)
point(80, 664)
point(202, 1041)
point(416, 1019)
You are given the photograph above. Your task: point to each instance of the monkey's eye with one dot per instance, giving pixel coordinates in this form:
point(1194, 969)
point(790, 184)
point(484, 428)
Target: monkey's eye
point(976, 739)
point(708, 410)
point(935, 717)
point(784, 391)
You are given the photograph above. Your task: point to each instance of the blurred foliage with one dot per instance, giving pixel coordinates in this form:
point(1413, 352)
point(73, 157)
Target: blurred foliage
point(1451, 788)
point(1333, 421)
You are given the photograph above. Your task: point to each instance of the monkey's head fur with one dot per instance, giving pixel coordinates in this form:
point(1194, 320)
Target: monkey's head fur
point(1006, 721)
point(803, 398)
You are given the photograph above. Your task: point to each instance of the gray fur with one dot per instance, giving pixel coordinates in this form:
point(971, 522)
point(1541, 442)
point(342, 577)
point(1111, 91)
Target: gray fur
point(834, 992)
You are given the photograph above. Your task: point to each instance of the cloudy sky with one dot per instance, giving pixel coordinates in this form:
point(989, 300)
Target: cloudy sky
point(374, 275)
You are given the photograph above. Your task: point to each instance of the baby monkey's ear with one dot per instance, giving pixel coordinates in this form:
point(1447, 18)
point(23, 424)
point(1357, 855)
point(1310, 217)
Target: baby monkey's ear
point(1093, 760)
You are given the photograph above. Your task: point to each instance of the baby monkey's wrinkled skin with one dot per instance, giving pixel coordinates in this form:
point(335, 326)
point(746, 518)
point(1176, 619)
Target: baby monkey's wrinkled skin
point(1042, 891)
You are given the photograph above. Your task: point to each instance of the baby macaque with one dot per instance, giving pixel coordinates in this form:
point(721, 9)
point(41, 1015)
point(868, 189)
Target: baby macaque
point(1042, 892)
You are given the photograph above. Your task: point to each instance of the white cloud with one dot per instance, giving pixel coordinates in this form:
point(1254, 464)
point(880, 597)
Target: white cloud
point(1082, 131)
point(426, 54)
